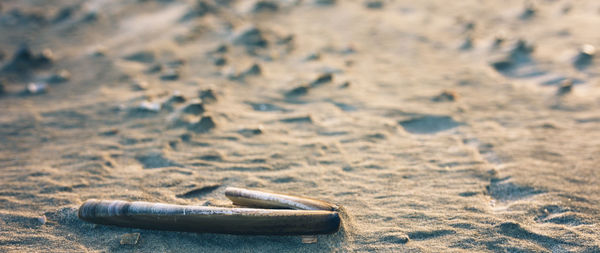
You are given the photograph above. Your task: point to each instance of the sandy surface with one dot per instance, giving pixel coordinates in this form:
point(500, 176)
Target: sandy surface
point(435, 131)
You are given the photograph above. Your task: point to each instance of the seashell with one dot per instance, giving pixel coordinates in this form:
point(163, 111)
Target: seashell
point(245, 197)
point(248, 221)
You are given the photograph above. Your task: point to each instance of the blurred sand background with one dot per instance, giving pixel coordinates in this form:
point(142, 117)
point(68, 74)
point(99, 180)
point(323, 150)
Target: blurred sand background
point(439, 126)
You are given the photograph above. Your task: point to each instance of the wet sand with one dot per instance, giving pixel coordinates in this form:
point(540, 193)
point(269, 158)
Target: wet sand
point(437, 126)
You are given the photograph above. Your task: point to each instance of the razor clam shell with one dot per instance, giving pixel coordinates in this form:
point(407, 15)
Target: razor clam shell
point(246, 221)
point(252, 198)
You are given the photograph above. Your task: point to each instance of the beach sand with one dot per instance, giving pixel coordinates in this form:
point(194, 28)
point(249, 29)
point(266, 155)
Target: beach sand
point(438, 126)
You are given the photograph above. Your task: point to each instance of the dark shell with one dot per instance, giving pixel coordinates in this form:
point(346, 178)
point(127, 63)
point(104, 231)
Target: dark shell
point(247, 221)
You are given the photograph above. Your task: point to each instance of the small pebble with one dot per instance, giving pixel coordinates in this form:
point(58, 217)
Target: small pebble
point(265, 6)
point(64, 14)
point(208, 96)
point(503, 64)
point(130, 239)
point(42, 219)
point(250, 37)
point(110, 132)
point(154, 69)
point(91, 16)
point(221, 49)
point(309, 239)
point(286, 39)
point(468, 43)
point(374, 4)
point(498, 41)
point(220, 61)
point(195, 107)
point(522, 47)
point(175, 63)
point(254, 70)
point(313, 57)
point(149, 106)
point(140, 85)
point(37, 88)
point(446, 95)
point(24, 60)
point(249, 132)
point(99, 51)
point(324, 2)
point(298, 91)
point(141, 56)
point(170, 75)
point(322, 79)
point(60, 77)
point(176, 97)
point(205, 124)
point(585, 56)
point(529, 11)
point(200, 9)
point(565, 87)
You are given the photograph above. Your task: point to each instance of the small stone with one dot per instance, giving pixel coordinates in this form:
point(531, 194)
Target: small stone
point(141, 56)
point(149, 106)
point(265, 6)
point(60, 77)
point(24, 60)
point(324, 2)
point(221, 49)
point(37, 88)
point(170, 75)
point(374, 4)
point(498, 41)
point(177, 97)
point(503, 64)
point(208, 96)
point(46, 56)
point(400, 238)
point(286, 39)
point(154, 69)
point(110, 132)
point(99, 51)
point(468, 43)
point(349, 49)
point(41, 219)
point(249, 132)
point(585, 56)
point(313, 57)
point(322, 79)
point(522, 48)
point(140, 85)
point(196, 108)
point(175, 63)
point(298, 91)
point(250, 37)
point(91, 16)
point(200, 9)
point(220, 61)
point(309, 239)
point(529, 11)
point(446, 95)
point(64, 14)
point(130, 239)
point(205, 124)
point(254, 70)
point(565, 87)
